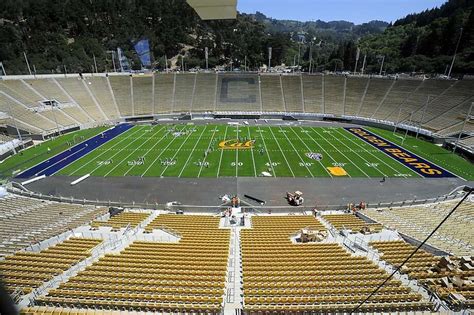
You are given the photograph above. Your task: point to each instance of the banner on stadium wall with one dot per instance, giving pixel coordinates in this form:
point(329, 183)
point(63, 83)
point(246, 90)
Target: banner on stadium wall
point(142, 48)
point(124, 64)
point(405, 157)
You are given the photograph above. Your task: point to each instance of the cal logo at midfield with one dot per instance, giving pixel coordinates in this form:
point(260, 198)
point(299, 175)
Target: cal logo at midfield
point(410, 160)
point(235, 144)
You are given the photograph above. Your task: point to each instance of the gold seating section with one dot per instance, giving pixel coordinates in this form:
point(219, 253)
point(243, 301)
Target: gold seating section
point(29, 270)
point(313, 277)
point(350, 222)
point(423, 266)
point(151, 276)
point(122, 220)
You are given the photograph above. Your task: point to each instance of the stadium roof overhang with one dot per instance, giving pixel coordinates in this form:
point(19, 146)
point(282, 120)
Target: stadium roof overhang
point(215, 9)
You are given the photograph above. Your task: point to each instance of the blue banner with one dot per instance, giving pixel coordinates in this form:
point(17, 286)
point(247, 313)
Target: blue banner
point(142, 48)
point(410, 160)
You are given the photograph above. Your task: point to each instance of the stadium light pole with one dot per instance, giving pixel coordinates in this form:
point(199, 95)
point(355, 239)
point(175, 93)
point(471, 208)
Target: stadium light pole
point(95, 64)
point(364, 63)
point(27, 63)
point(269, 58)
point(357, 60)
point(455, 52)
point(3, 69)
point(381, 65)
point(463, 126)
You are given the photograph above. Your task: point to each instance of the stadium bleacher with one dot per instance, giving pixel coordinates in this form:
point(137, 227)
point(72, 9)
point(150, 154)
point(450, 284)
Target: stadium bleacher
point(25, 221)
point(122, 220)
point(99, 98)
point(350, 222)
point(26, 270)
point(431, 270)
point(280, 276)
point(456, 236)
point(187, 276)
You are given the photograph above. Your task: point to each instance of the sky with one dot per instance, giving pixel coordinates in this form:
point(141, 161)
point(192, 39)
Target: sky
point(357, 11)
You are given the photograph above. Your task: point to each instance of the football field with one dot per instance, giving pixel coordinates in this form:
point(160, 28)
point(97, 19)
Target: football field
point(237, 150)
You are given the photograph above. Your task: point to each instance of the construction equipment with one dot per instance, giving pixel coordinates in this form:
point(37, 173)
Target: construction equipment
point(295, 199)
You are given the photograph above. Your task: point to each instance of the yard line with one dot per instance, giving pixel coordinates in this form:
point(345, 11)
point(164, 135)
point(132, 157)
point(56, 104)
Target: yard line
point(292, 129)
point(304, 164)
point(268, 154)
point(106, 151)
point(251, 150)
point(149, 150)
point(237, 155)
point(360, 146)
point(348, 159)
point(208, 147)
point(177, 151)
point(192, 151)
point(222, 153)
point(359, 155)
point(163, 151)
point(135, 150)
point(284, 156)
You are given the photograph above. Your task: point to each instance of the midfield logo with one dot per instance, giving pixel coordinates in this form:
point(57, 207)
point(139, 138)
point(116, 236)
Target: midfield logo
point(236, 144)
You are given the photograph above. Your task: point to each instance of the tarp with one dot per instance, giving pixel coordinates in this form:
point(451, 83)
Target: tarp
point(142, 48)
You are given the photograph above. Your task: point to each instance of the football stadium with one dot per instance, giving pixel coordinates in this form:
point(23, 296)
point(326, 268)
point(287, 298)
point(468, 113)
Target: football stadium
point(198, 183)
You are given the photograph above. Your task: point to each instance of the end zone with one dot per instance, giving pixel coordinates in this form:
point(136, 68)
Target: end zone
point(417, 164)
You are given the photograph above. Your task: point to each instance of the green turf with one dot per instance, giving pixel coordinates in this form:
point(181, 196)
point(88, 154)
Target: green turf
point(281, 151)
point(38, 153)
point(435, 154)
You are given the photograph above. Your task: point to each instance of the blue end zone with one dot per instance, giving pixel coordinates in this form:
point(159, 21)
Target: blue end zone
point(65, 158)
point(410, 160)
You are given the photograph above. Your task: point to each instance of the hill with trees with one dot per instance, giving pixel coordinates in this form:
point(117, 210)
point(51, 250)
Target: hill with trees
point(68, 35)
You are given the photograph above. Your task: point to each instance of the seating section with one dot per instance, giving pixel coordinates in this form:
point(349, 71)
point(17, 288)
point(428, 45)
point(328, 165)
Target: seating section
point(272, 93)
point(26, 271)
point(313, 93)
point(279, 276)
point(40, 310)
point(142, 95)
point(185, 86)
point(80, 93)
point(355, 91)
point(447, 277)
point(205, 93)
point(395, 252)
point(238, 92)
point(99, 98)
point(121, 87)
point(351, 222)
point(456, 236)
point(188, 276)
point(164, 92)
point(293, 93)
point(25, 221)
point(334, 94)
point(122, 220)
